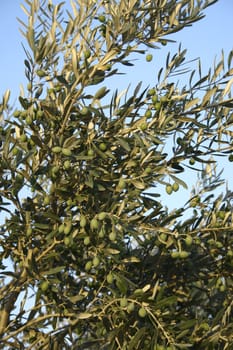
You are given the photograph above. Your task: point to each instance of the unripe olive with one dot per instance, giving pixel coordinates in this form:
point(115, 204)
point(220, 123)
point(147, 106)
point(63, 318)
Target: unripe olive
point(39, 113)
point(67, 164)
point(130, 307)
point(55, 169)
point(154, 99)
point(84, 111)
point(138, 292)
point(163, 99)
point(83, 221)
point(28, 120)
point(68, 227)
point(19, 178)
point(87, 54)
point(86, 240)
point(102, 146)
point(221, 214)
point(121, 184)
point(149, 57)
point(29, 86)
point(110, 278)
point(205, 326)
point(67, 241)
point(41, 73)
point(112, 236)
point(169, 189)
point(61, 228)
point(102, 18)
point(148, 113)
point(222, 288)
point(94, 224)
point(183, 254)
point(96, 261)
point(46, 200)
point(142, 312)
point(102, 216)
point(148, 170)
point(88, 265)
point(15, 151)
point(143, 126)
point(56, 149)
point(151, 92)
point(66, 151)
point(191, 161)
point(16, 113)
point(188, 240)
point(175, 187)
point(101, 233)
point(23, 138)
point(123, 302)
point(157, 106)
point(175, 255)
point(90, 152)
point(44, 286)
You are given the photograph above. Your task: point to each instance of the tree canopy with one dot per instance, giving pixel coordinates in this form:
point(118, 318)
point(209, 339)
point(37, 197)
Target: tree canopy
point(91, 257)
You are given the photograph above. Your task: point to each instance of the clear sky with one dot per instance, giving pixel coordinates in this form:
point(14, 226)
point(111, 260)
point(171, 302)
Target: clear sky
point(205, 39)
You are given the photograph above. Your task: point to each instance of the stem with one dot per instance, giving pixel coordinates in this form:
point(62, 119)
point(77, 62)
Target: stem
point(9, 301)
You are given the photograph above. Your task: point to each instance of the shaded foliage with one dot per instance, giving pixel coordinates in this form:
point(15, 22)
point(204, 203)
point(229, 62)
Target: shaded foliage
point(98, 259)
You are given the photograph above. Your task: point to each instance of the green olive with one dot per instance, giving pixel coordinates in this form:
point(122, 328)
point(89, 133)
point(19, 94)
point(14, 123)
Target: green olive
point(88, 265)
point(188, 240)
point(102, 18)
point(149, 57)
point(96, 261)
point(143, 126)
point(94, 224)
point(87, 54)
point(102, 146)
point(28, 120)
point(148, 113)
point(61, 228)
point(175, 187)
point(44, 286)
point(87, 240)
point(66, 151)
point(102, 216)
point(121, 184)
point(130, 307)
point(112, 236)
point(169, 189)
point(68, 227)
point(41, 73)
point(83, 221)
point(67, 164)
point(46, 200)
point(123, 302)
point(183, 254)
point(142, 312)
point(110, 278)
point(151, 92)
point(175, 255)
point(56, 149)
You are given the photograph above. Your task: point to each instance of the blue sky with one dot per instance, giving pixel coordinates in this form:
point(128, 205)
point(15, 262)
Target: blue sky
point(205, 39)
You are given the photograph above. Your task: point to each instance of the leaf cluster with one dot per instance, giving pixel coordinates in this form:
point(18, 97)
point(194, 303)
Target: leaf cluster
point(105, 263)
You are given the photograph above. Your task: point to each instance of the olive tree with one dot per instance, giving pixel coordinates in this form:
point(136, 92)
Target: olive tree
point(91, 257)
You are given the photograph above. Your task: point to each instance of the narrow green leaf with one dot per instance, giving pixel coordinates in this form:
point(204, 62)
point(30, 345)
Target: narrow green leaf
point(53, 271)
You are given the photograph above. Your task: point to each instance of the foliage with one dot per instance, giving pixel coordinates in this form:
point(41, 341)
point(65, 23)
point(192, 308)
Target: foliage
point(98, 259)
